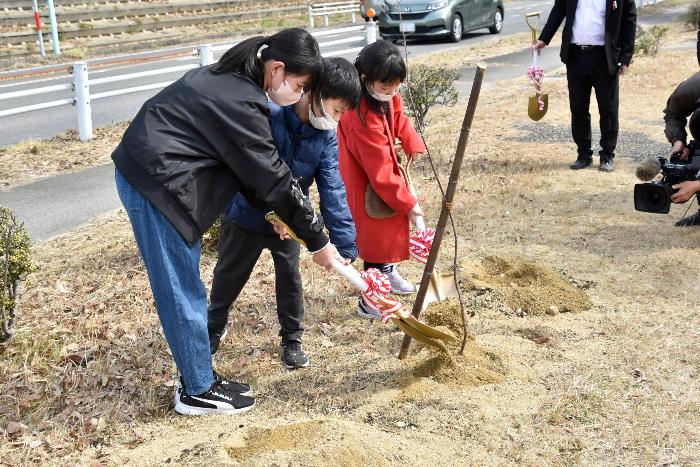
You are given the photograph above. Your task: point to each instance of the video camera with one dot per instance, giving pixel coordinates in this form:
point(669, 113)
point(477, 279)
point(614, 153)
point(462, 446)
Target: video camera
point(655, 196)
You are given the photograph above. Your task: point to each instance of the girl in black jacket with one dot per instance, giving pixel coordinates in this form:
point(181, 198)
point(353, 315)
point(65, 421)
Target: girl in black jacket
point(189, 150)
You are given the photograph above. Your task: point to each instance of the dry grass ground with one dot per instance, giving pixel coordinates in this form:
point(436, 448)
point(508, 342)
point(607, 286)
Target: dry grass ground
point(64, 153)
point(611, 382)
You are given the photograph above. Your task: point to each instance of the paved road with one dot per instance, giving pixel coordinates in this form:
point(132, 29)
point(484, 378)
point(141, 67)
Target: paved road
point(58, 204)
point(107, 111)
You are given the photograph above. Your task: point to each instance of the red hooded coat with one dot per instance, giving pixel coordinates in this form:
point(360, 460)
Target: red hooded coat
point(367, 155)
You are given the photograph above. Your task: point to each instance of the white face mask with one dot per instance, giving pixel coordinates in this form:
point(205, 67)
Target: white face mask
point(326, 122)
point(379, 96)
point(284, 94)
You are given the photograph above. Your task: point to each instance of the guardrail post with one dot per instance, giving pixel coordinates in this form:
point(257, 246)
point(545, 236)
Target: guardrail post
point(325, 20)
point(311, 16)
point(206, 55)
point(54, 28)
point(371, 30)
point(353, 17)
point(81, 87)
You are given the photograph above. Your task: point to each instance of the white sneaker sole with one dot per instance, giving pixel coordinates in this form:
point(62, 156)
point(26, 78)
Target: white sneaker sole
point(403, 292)
point(177, 402)
point(292, 367)
point(184, 409)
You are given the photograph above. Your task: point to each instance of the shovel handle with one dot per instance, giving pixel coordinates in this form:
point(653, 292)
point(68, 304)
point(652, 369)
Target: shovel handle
point(344, 270)
point(533, 28)
point(351, 274)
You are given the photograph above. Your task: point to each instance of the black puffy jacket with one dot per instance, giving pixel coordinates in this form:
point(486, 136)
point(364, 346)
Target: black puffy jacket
point(201, 140)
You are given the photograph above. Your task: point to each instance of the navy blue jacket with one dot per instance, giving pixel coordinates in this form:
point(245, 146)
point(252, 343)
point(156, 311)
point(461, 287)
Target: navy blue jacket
point(312, 155)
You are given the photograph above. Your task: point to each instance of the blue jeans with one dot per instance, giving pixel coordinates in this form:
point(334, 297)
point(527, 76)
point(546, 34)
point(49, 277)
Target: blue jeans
point(180, 296)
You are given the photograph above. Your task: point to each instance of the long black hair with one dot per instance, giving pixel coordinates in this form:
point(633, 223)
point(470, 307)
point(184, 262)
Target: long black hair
point(294, 47)
point(339, 81)
point(380, 61)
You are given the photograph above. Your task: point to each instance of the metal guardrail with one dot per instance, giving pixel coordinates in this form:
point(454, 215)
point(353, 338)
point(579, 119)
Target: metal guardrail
point(332, 8)
point(81, 82)
point(129, 25)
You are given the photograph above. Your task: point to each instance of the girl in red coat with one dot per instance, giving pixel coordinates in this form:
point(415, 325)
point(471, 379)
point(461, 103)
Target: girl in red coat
point(370, 168)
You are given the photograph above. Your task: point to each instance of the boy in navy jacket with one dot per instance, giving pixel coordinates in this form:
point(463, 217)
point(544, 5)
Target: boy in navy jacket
point(304, 134)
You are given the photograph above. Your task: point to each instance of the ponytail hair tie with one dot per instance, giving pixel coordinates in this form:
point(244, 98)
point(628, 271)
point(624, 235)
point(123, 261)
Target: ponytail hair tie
point(262, 47)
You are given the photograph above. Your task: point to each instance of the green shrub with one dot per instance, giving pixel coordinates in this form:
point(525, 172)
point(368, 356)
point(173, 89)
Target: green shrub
point(15, 264)
point(648, 42)
point(428, 87)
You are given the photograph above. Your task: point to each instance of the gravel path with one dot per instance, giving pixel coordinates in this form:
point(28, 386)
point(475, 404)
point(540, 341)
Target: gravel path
point(636, 146)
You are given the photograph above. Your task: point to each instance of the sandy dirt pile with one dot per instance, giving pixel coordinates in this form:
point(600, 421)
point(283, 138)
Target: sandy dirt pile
point(528, 287)
point(612, 381)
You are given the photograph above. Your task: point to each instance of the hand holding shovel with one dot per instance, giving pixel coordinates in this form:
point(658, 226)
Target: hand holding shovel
point(537, 104)
point(374, 287)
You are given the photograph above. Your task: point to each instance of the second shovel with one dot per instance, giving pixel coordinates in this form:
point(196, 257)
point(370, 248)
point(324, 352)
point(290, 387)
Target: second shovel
point(538, 103)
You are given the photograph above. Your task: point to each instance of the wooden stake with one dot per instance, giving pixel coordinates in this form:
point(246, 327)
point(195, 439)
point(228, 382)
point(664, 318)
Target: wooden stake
point(449, 196)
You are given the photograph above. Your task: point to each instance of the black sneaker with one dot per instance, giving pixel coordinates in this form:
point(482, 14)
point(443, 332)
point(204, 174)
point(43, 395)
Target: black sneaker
point(241, 388)
point(215, 338)
point(606, 165)
point(293, 355)
point(219, 399)
point(689, 221)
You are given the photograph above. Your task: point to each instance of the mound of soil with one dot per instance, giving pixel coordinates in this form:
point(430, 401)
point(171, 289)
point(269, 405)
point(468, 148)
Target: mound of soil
point(534, 289)
point(445, 316)
point(280, 438)
point(311, 443)
point(474, 368)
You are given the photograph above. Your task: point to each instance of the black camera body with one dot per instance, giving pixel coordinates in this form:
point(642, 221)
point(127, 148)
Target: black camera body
point(655, 196)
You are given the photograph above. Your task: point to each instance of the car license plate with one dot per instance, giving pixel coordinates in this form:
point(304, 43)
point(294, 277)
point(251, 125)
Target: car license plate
point(407, 27)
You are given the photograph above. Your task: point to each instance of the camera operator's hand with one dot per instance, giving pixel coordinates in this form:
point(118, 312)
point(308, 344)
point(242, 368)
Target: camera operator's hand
point(685, 191)
point(680, 147)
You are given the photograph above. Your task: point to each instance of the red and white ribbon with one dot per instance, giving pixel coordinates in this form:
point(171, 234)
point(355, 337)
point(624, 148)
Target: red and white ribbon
point(420, 243)
point(536, 74)
point(378, 287)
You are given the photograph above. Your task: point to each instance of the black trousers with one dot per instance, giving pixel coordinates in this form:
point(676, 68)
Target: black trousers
point(586, 70)
point(239, 250)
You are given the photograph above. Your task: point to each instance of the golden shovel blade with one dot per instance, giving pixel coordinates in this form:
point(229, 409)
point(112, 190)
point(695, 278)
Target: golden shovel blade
point(428, 330)
point(441, 287)
point(533, 108)
point(419, 336)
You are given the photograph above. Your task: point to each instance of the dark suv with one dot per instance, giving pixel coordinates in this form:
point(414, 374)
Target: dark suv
point(442, 18)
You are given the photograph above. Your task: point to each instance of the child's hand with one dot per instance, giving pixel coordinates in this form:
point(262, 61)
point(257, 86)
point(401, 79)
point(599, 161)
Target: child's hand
point(326, 256)
point(415, 212)
point(281, 231)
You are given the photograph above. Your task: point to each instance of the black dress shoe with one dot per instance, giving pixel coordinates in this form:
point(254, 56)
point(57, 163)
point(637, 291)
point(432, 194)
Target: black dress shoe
point(581, 164)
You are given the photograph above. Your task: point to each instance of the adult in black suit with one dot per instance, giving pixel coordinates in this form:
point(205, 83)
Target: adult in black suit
point(597, 47)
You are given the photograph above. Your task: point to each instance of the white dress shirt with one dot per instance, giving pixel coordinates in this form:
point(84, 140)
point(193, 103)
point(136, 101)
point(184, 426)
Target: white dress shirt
point(589, 23)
